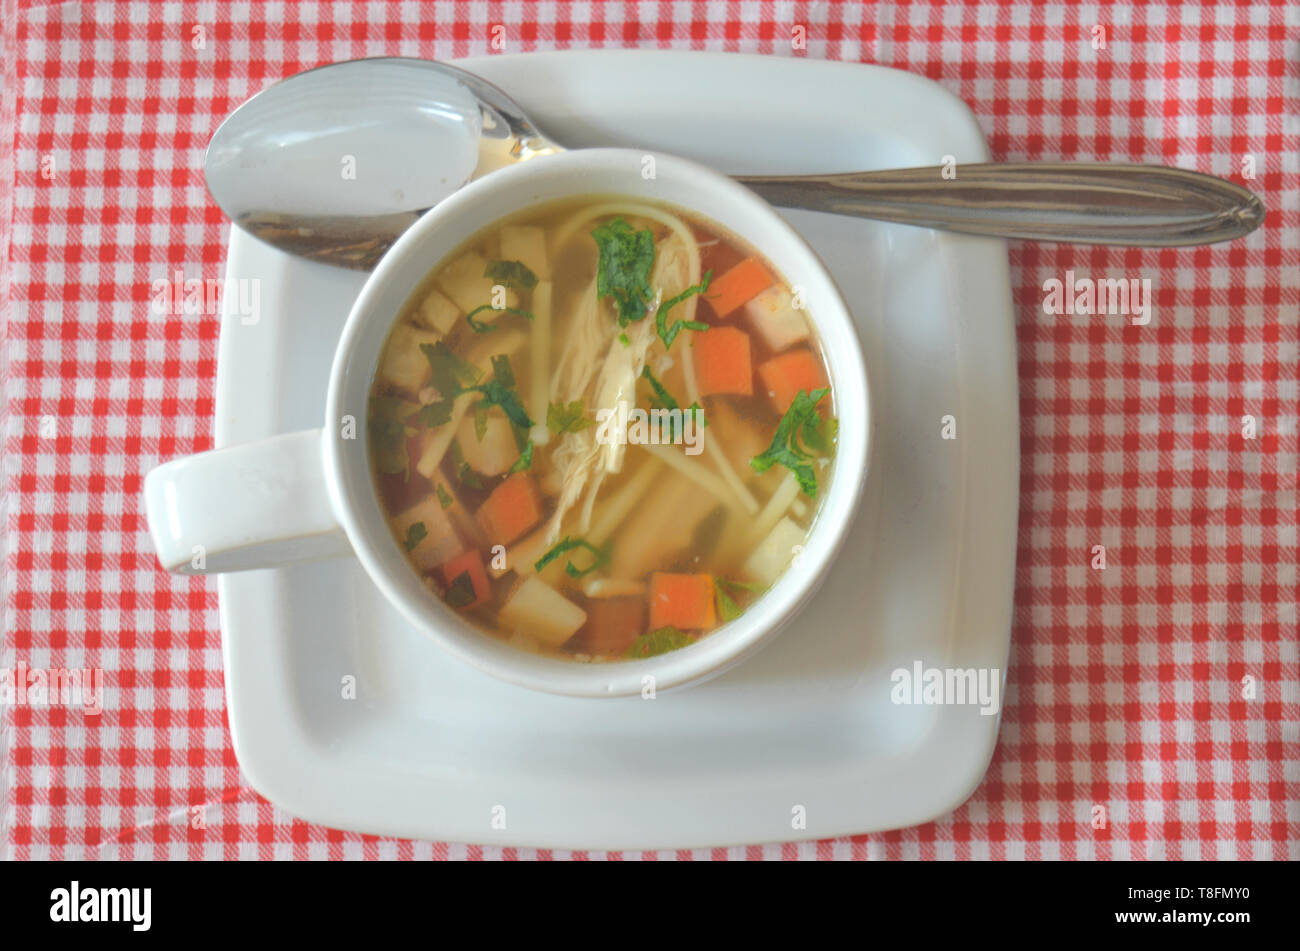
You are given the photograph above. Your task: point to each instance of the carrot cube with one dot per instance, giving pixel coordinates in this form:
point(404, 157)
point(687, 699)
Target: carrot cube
point(468, 563)
point(784, 376)
point(513, 508)
point(681, 601)
point(738, 286)
point(722, 361)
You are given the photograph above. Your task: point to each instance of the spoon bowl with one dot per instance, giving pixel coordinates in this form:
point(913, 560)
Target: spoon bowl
point(335, 163)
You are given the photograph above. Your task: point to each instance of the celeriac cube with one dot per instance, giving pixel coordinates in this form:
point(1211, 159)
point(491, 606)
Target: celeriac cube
point(541, 612)
point(440, 542)
point(404, 365)
point(526, 244)
point(496, 452)
point(772, 315)
point(523, 642)
point(772, 555)
point(464, 282)
point(436, 312)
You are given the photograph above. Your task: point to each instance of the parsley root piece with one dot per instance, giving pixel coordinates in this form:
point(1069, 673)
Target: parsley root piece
point(539, 611)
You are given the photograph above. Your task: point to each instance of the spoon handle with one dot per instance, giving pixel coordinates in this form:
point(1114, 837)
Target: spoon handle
point(1136, 205)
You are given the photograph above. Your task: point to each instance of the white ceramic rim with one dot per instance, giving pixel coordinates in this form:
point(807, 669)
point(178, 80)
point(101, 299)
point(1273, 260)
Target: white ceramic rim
point(677, 182)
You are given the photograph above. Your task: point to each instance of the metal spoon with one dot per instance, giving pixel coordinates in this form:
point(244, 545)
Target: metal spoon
point(279, 168)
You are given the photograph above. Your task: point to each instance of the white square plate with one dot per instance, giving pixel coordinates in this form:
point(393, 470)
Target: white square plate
point(801, 741)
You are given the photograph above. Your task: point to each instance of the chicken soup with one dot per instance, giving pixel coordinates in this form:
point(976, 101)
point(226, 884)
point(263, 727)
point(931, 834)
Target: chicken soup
point(601, 429)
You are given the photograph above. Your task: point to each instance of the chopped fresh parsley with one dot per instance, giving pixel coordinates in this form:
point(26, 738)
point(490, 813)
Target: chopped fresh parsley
point(623, 263)
point(434, 414)
point(415, 534)
point(465, 473)
point(728, 592)
point(525, 460)
point(570, 418)
point(389, 430)
point(669, 334)
point(451, 373)
point(500, 391)
point(659, 641)
point(820, 438)
point(568, 545)
point(511, 274)
point(461, 591)
point(661, 399)
point(624, 260)
point(800, 427)
point(727, 608)
point(444, 497)
point(508, 274)
point(481, 328)
point(451, 378)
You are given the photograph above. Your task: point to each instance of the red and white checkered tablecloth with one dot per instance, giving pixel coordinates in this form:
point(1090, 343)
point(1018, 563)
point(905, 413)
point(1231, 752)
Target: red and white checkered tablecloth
point(1164, 689)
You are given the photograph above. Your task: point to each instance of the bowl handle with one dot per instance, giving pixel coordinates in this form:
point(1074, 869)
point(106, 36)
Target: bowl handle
point(256, 505)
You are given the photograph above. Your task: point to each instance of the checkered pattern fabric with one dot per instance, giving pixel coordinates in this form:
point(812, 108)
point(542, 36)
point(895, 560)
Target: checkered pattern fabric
point(1153, 703)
